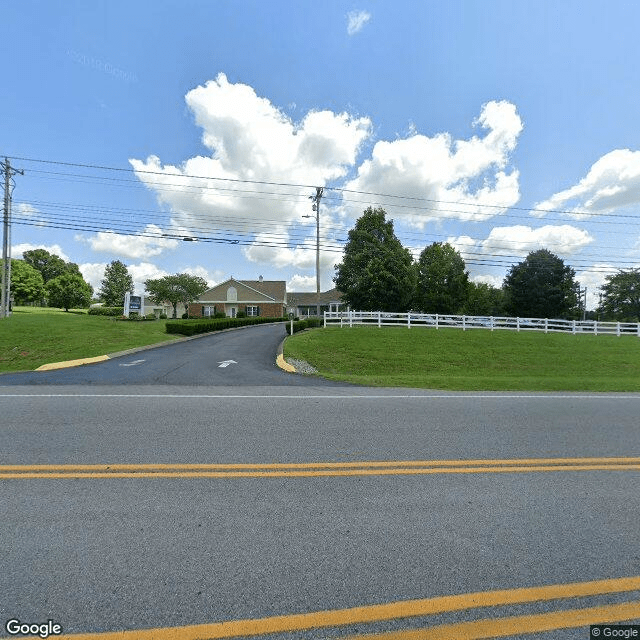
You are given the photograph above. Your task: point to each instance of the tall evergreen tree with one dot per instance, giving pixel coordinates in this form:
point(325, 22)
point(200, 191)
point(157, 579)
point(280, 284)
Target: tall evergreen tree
point(117, 281)
point(377, 273)
point(442, 280)
point(541, 286)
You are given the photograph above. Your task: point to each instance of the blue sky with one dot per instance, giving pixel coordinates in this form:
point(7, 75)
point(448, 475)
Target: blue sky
point(501, 127)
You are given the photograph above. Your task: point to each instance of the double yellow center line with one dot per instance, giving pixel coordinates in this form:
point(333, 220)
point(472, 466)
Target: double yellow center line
point(371, 614)
point(316, 469)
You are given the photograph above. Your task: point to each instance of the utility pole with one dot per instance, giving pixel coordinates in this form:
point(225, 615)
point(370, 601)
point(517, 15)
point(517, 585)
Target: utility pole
point(5, 298)
point(316, 207)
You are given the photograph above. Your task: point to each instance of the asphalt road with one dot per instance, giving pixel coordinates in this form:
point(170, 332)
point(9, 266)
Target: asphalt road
point(139, 547)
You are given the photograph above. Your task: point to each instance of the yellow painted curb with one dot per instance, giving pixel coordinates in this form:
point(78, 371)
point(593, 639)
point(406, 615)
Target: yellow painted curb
point(71, 363)
point(283, 364)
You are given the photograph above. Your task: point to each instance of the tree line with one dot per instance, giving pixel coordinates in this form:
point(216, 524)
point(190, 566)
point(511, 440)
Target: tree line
point(378, 274)
point(45, 279)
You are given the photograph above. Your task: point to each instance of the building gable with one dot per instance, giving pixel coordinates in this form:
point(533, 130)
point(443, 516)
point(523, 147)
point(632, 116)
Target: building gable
point(246, 291)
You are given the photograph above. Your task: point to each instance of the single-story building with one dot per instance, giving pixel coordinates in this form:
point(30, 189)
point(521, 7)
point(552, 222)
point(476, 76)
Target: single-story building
point(266, 298)
point(304, 304)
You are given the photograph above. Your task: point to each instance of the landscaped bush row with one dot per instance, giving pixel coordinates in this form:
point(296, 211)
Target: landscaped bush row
point(299, 325)
point(192, 327)
point(106, 311)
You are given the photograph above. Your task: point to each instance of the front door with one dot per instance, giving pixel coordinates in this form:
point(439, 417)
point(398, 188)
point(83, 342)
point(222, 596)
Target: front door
point(232, 312)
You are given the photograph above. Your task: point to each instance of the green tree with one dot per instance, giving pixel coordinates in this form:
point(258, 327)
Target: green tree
point(180, 287)
point(26, 282)
point(484, 300)
point(117, 281)
point(377, 273)
point(48, 264)
point(442, 280)
point(69, 291)
point(541, 286)
point(621, 296)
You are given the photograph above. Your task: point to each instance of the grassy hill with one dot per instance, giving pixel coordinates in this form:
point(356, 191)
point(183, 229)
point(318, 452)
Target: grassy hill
point(470, 360)
point(34, 336)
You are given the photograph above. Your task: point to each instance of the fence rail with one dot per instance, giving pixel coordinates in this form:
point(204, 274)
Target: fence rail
point(384, 319)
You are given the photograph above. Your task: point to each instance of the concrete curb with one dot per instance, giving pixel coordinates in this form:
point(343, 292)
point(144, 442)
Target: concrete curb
point(70, 363)
point(281, 362)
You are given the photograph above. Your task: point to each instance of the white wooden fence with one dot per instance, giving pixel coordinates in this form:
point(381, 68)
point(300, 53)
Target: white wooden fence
point(384, 319)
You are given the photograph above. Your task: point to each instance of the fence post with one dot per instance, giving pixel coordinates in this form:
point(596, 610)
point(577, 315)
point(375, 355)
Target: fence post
point(491, 322)
point(325, 320)
point(518, 325)
point(409, 321)
point(436, 320)
point(546, 324)
point(574, 327)
point(464, 324)
point(379, 319)
point(350, 319)
point(595, 328)
point(618, 329)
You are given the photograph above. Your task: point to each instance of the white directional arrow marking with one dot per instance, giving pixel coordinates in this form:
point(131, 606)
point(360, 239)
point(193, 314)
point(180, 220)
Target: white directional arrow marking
point(226, 363)
point(132, 364)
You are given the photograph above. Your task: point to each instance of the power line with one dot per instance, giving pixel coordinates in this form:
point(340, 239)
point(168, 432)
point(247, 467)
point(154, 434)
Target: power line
point(302, 186)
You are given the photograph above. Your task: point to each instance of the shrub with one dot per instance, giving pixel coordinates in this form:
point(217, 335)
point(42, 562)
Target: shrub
point(309, 323)
point(241, 314)
point(193, 327)
point(219, 314)
point(106, 311)
point(163, 316)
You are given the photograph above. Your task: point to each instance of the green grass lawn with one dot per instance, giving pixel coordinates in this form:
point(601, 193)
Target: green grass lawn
point(470, 360)
point(34, 336)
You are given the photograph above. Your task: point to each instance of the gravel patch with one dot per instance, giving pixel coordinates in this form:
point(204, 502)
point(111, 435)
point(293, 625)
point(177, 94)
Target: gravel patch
point(301, 366)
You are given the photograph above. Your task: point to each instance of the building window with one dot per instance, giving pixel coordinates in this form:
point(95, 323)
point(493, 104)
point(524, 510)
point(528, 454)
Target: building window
point(232, 294)
point(253, 311)
point(207, 312)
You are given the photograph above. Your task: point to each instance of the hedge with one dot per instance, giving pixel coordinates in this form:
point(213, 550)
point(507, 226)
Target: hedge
point(299, 325)
point(193, 327)
point(106, 311)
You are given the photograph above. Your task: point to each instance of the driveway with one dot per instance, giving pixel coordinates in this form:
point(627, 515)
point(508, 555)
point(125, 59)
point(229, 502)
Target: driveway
point(242, 357)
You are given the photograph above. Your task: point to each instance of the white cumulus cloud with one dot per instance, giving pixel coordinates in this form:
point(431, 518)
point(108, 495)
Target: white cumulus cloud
point(212, 277)
point(463, 179)
point(519, 240)
point(151, 241)
point(492, 280)
point(93, 273)
point(612, 183)
point(253, 141)
point(301, 283)
point(18, 249)
point(356, 21)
